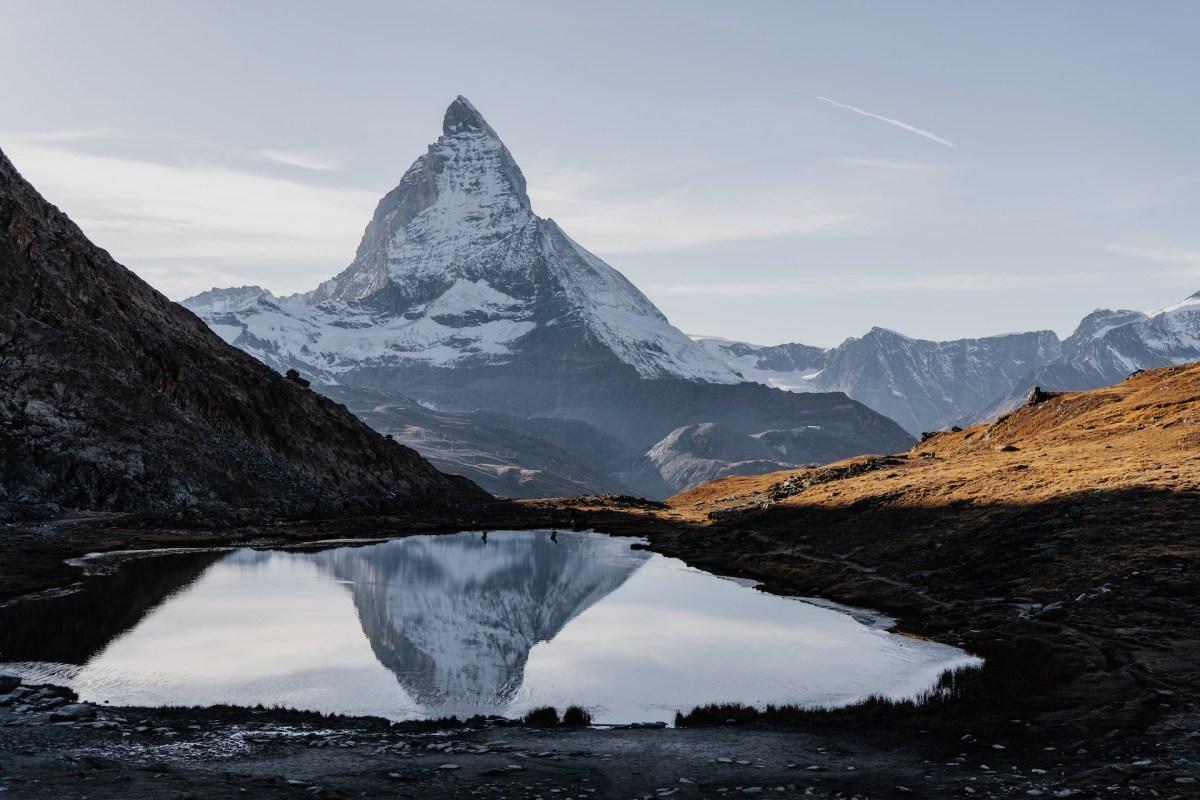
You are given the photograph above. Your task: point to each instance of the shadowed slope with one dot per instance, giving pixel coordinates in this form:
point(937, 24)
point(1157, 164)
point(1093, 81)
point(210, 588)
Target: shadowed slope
point(114, 398)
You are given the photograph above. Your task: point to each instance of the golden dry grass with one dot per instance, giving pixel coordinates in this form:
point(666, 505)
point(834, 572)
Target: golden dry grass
point(1143, 433)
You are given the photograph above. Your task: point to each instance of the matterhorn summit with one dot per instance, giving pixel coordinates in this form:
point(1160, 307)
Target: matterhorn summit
point(456, 269)
point(462, 298)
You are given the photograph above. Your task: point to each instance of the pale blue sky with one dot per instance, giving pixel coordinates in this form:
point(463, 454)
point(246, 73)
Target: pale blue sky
point(1039, 160)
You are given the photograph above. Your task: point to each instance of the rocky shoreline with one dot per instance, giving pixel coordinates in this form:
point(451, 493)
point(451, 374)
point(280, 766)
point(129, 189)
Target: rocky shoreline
point(1062, 711)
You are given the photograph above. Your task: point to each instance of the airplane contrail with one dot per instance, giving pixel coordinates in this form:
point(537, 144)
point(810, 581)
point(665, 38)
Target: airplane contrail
point(890, 121)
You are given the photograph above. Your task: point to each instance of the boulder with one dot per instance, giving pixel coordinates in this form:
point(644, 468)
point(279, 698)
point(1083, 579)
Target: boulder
point(73, 712)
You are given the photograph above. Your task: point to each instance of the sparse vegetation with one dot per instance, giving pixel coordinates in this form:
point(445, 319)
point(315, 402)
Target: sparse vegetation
point(576, 717)
point(544, 717)
point(954, 687)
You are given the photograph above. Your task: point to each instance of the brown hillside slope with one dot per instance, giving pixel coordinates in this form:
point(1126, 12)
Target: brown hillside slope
point(1140, 435)
point(114, 398)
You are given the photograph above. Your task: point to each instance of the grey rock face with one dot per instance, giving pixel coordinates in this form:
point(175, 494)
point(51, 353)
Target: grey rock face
point(1107, 346)
point(925, 385)
point(695, 454)
point(114, 398)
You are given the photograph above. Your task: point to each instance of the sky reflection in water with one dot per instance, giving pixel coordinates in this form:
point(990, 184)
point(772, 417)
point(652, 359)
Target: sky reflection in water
point(430, 626)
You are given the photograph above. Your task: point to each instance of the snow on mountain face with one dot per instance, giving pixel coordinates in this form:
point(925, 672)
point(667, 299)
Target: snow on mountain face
point(456, 270)
point(791, 367)
point(922, 385)
point(1108, 345)
point(926, 385)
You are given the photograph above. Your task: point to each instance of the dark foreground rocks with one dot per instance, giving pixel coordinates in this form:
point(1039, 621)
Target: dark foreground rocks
point(227, 753)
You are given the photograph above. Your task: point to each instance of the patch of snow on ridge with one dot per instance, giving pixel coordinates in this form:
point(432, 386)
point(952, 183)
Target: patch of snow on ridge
point(744, 358)
point(1191, 303)
point(332, 338)
point(624, 319)
point(465, 296)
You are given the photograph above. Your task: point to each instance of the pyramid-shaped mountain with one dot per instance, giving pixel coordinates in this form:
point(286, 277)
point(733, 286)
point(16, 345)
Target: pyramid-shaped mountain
point(462, 298)
point(114, 398)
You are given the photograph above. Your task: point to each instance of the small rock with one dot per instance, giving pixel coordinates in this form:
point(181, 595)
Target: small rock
point(449, 766)
point(73, 712)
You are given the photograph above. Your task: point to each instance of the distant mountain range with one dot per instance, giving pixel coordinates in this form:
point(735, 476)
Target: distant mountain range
point(927, 386)
point(461, 300)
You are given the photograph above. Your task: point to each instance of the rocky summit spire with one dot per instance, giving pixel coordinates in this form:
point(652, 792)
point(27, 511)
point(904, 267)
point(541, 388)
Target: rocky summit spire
point(454, 202)
point(462, 116)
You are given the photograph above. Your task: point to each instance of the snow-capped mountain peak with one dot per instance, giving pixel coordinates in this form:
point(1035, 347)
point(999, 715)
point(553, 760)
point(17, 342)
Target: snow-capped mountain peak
point(455, 270)
point(1188, 304)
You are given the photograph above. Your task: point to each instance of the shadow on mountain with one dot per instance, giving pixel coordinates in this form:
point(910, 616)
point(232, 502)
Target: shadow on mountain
point(455, 617)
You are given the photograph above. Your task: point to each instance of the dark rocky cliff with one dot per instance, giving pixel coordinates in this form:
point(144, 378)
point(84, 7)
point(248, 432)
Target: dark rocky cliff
point(114, 398)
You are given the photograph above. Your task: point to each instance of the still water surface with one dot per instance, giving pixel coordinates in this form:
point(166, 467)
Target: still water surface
point(429, 626)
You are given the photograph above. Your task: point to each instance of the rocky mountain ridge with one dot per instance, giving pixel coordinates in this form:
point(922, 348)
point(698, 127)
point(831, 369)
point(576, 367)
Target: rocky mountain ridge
point(113, 398)
point(927, 385)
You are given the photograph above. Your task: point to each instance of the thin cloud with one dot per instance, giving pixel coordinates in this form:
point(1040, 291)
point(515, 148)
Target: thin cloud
point(903, 125)
point(872, 284)
point(302, 160)
point(188, 226)
point(63, 136)
point(610, 221)
point(1162, 255)
point(883, 163)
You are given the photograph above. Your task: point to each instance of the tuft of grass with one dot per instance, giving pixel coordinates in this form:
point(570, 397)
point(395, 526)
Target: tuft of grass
point(541, 717)
point(576, 717)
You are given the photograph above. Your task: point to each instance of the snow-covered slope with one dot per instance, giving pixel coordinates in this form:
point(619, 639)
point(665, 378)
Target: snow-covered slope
point(922, 385)
point(455, 269)
point(926, 385)
point(792, 367)
point(1107, 346)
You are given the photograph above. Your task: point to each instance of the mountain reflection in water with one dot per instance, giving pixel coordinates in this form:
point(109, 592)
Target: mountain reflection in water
point(431, 626)
point(454, 617)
